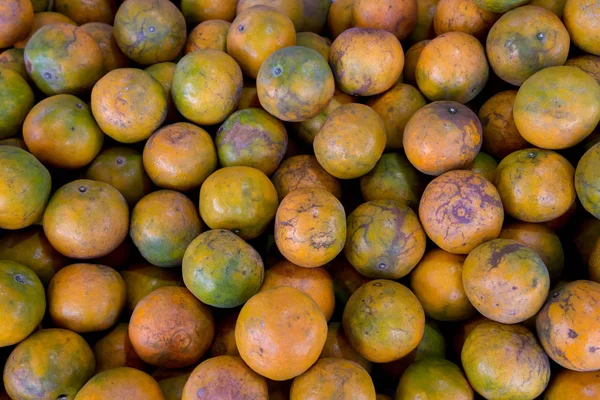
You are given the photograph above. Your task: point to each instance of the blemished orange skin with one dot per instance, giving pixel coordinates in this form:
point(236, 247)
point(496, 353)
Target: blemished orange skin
point(315, 282)
point(207, 86)
point(337, 145)
point(581, 19)
point(124, 382)
point(383, 321)
point(303, 172)
point(17, 100)
point(366, 61)
point(17, 21)
point(332, 378)
point(128, 104)
point(141, 279)
point(453, 66)
point(224, 342)
point(436, 379)
point(485, 165)
point(540, 239)
point(84, 11)
point(410, 62)
point(423, 29)
point(459, 210)
point(287, 325)
point(307, 130)
point(337, 346)
point(339, 17)
point(500, 134)
point(208, 35)
point(538, 40)
point(114, 350)
point(76, 221)
point(150, 31)
point(293, 9)
point(171, 328)
point(226, 378)
point(313, 41)
point(346, 279)
point(442, 136)
point(573, 385)
point(198, 11)
point(14, 60)
point(249, 97)
point(86, 297)
point(587, 63)
point(57, 48)
point(463, 16)
point(437, 283)
point(557, 107)
point(163, 72)
point(31, 248)
point(505, 281)
point(310, 227)
point(396, 107)
point(60, 131)
point(567, 326)
point(172, 381)
point(111, 53)
point(122, 168)
point(43, 18)
point(535, 185)
point(48, 364)
point(396, 17)
point(240, 199)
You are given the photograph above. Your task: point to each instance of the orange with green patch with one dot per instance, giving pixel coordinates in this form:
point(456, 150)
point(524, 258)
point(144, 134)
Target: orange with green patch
point(303, 172)
point(197, 11)
point(111, 53)
point(485, 165)
point(499, 6)
point(573, 385)
point(293, 9)
point(142, 279)
point(83, 12)
point(581, 19)
point(14, 60)
point(121, 382)
point(463, 16)
point(114, 350)
point(587, 181)
point(211, 34)
point(396, 17)
point(435, 378)
point(163, 73)
point(224, 342)
point(337, 346)
point(587, 63)
point(423, 29)
point(307, 130)
point(346, 279)
point(17, 20)
point(16, 100)
point(44, 18)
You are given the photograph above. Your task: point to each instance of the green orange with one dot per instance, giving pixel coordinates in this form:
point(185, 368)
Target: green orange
point(16, 99)
point(435, 378)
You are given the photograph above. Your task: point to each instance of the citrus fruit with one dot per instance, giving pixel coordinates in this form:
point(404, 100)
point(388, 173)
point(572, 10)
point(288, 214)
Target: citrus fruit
point(337, 346)
point(210, 34)
point(435, 378)
point(197, 11)
point(303, 172)
point(293, 9)
point(119, 382)
point(172, 381)
point(587, 63)
point(410, 61)
point(17, 20)
point(111, 53)
point(463, 16)
point(16, 100)
point(556, 6)
point(339, 17)
point(315, 15)
point(587, 182)
point(224, 342)
point(313, 41)
point(397, 17)
point(14, 60)
point(163, 72)
point(573, 385)
point(307, 130)
point(114, 350)
point(581, 19)
point(84, 11)
point(499, 6)
point(485, 165)
point(424, 29)
point(142, 279)
point(44, 18)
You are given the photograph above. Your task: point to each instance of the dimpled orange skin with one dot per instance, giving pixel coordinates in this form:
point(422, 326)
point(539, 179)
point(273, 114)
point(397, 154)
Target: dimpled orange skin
point(123, 382)
point(225, 378)
point(535, 185)
point(423, 30)
point(383, 320)
point(573, 385)
point(313, 41)
point(315, 282)
point(557, 107)
point(310, 227)
point(17, 20)
point(437, 283)
point(111, 53)
point(337, 346)
point(279, 325)
point(40, 19)
point(339, 17)
point(141, 279)
point(239, 199)
point(114, 350)
point(76, 221)
point(396, 17)
point(198, 11)
point(500, 134)
point(453, 66)
point(84, 11)
point(293, 9)
point(129, 104)
point(171, 328)
point(224, 342)
point(567, 326)
point(302, 172)
point(208, 35)
point(587, 63)
point(459, 210)
point(442, 136)
point(581, 18)
point(337, 147)
point(463, 16)
point(365, 61)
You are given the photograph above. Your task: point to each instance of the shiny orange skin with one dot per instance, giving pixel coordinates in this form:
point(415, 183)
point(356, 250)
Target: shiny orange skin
point(76, 223)
point(485, 165)
point(331, 378)
point(315, 282)
point(84, 11)
point(111, 53)
point(587, 63)
point(567, 326)
point(198, 11)
point(500, 134)
point(452, 67)
point(383, 320)
point(557, 107)
point(310, 227)
point(129, 104)
point(423, 29)
point(463, 16)
point(287, 325)
point(339, 17)
point(396, 17)
point(224, 342)
point(57, 48)
point(123, 382)
point(142, 279)
point(313, 41)
point(240, 199)
point(48, 364)
point(14, 59)
point(293, 9)
point(535, 185)
point(302, 172)
point(114, 350)
point(581, 19)
point(437, 283)
point(43, 18)
point(122, 168)
point(573, 385)
point(336, 145)
point(17, 20)
point(442, 136)
point(337, 346)
point(60, 131)
point(86, 297)
point(208, 35)
point(410, 62)
point(459, 210)
point(171, 328)
point(149, 31)
point(435, 379)
point(366, 61)
point(396, 107)
point(226, 378)
point(540, 239)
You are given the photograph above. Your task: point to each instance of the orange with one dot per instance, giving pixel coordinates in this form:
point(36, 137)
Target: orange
point(303, 172)
point(435, 378)
point(307, 130)
point(463, 16)
point(163, 73)
point(114, 350)
point(499, 6)
point(44, 18)
point(249, 97)
point(587, 63)
point(16, 100)
point(337, 346)
point(313, 41)
point(339, 17)
point(556, 6)
point(485, 165)
point(172, 381)
point(581, 19)
point(210, 34)
point(17, 20)
point(14, 59)
point(224, 343)
point(142, 279)
point(397, 17)
point(84, 11)
point(587, 183)
point(424, 30)
point(315, 15)
point(573, 385)
point(111, 53)
point(119, 382)
point(293, 9)
point(197, 11)
point(346, 279)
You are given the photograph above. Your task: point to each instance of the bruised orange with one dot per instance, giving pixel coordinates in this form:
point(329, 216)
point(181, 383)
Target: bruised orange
point(463, 16)
point(581, 19)
point(114, 350)
point(293, 9)
point(423, 29)
point(210, 34)
point(111, 53)
point(120, 382)
point(587, 63)
point(397, 17)
point(573, 385)
point(16, 18)
point(142, 279)
point(302, 172)
point(84, 11)
point(44, 18)
point(339, 17)
point(224, 342)
point(198, 11)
